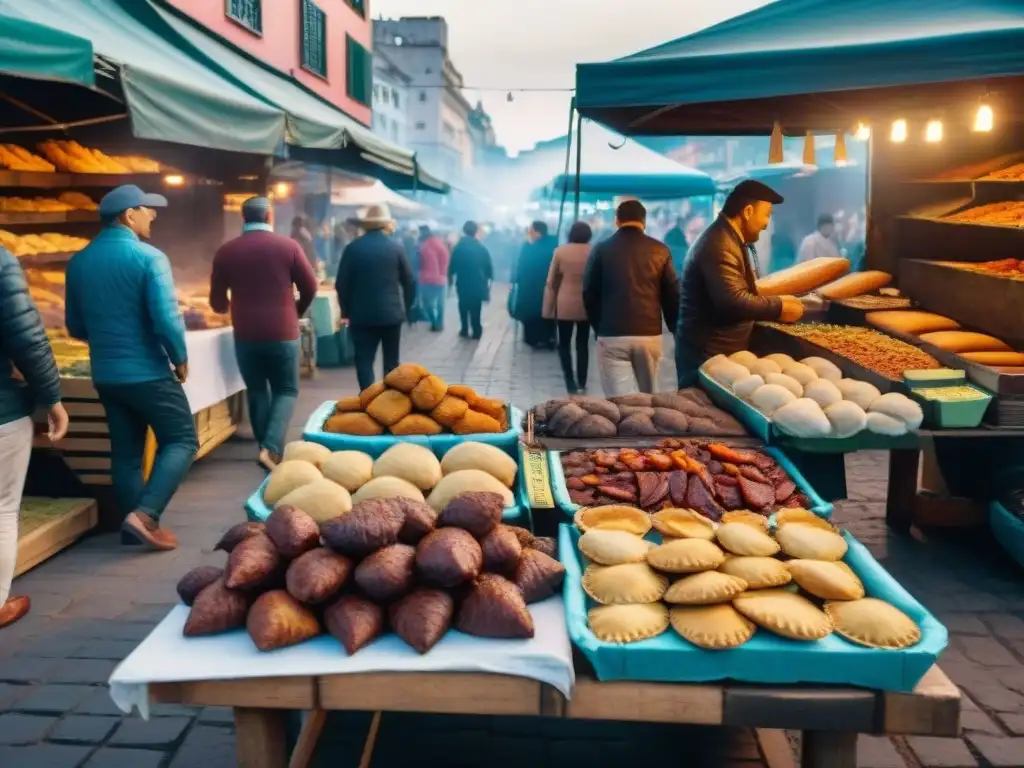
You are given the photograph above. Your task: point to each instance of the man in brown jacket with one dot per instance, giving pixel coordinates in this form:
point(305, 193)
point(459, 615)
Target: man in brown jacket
point(719, 302)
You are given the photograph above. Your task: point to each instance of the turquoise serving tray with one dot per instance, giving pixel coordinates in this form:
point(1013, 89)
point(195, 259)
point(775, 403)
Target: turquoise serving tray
point(765, 658)
point(819, 506)
point(1008, 530)
point(376, 445)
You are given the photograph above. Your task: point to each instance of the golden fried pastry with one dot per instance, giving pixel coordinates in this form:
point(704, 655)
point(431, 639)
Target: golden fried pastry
point(476, 423)
point(747, 517)
point(810, 542)
point(827, 580)
point(607, 547)
point(715, 627)
point(617, 517)
point(685, 556)
point(705, 588)
point(463, 392)
point(873, 623)
point(369, 394)
point(405, 377)
point(348, 405)
point(493, 408)
point(353, 424)
point(428, 393)
point(390, 407)
point(799, 515)
point(627, 623)
point(449, 411)
point(744, 539)
point(683, 524)
point(416, 424)
point(784, 613)
point(758, 572)
point(623, 584)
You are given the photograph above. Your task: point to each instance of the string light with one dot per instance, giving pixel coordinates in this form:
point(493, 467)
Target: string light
point(174, 180)
point(933, 131)
point(282, 190)
point(984, 119)
point(862, 132)
point(899, 131)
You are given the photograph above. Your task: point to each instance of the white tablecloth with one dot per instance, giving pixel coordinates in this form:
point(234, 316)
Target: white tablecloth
point(212, 368)
point(166, 656)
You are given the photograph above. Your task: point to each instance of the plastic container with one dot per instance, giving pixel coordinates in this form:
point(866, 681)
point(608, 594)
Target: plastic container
point(819, 506)
point(952, 414)
point(940, 377)
point(765, 658)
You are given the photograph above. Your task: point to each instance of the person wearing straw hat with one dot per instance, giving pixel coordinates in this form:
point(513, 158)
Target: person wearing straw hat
point(375, 292)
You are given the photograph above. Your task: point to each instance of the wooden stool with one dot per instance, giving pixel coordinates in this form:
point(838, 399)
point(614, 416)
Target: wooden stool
point(307, 349)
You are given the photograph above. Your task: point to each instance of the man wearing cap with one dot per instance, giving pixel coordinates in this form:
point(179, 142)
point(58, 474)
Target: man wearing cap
point(719, 301)
point(261, 271)
point(120, 299)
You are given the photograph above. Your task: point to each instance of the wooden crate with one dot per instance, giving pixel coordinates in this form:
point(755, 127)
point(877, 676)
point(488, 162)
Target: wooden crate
point(46, 526)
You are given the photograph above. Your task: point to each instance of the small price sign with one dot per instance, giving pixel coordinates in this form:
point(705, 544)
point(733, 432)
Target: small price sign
point(538, 479)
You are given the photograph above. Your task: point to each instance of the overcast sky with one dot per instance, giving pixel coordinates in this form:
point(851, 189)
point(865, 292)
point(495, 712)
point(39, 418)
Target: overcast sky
point(537, 43)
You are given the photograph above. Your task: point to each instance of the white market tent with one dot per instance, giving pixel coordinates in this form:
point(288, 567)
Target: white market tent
point(362, 194)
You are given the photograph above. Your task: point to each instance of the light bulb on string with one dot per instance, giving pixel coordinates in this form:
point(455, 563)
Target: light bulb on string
point(899, 131)
point(984, 119)
point(862, 132)
point(933, 131)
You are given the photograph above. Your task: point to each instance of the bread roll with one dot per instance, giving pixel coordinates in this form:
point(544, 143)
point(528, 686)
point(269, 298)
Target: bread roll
point(803, 277)
point(965, 341)
point(995, 358)
point(857, 284)
point(902, 321)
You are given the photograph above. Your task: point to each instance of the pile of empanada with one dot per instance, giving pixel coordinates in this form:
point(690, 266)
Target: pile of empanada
point(390, 562)
point(715, 584)
point(327, 483)
point(412, 401)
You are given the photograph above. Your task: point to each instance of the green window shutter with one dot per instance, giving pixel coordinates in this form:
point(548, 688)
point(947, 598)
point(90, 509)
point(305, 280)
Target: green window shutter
point(248, 13)
point(314, 38)
point(359, 77)
point(359, 6)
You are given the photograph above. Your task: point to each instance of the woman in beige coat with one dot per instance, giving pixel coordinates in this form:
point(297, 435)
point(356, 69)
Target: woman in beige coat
point(563, 301)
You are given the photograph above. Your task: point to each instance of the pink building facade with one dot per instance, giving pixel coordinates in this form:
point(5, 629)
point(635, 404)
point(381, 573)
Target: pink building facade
point(324, 44)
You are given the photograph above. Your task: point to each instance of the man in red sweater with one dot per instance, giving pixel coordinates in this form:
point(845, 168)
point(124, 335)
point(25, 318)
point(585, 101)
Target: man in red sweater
point(434, 259)
point(261, 270)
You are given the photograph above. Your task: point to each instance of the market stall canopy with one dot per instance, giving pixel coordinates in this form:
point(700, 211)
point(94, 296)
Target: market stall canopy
point(782, 171)
point(312, 124)
point(686, 182)
point(41, 52)
point(363, 194)
point(863, 56)
point(170, 96)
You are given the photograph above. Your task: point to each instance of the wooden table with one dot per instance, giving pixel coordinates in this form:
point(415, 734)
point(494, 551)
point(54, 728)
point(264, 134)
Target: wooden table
point(830, 717)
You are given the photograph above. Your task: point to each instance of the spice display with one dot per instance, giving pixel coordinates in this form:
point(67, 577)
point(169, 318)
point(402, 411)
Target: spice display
point(412, 401)
point(1010, 269)
point(293, 578)
point(869, 349)
point(1013, 173)
point(686, 412)
point(710, 478)
point(950, 394)
point(1009, 213)
point(712, 604)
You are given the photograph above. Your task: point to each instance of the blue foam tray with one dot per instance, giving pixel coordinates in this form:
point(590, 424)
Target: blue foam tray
point(765, 658)
point(1008, 530)
point(376, 445)
point(819, 506)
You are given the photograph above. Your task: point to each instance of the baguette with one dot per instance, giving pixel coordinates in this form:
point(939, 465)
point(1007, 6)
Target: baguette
point(965, 341)
point(805, 277)
point(857, 284)
point(995, 358)
point(910, 322)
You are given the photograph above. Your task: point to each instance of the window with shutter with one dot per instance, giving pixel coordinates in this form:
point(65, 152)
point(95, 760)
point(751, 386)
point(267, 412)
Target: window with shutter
point(359, 6)
point(314, 39)
point(248, 13)
point(359, 78)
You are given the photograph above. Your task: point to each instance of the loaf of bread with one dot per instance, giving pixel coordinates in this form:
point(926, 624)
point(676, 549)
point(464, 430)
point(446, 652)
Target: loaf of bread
point(857, 284)
point(805, 277)
point(905, 321)
point(965, 341)
point(995, 358)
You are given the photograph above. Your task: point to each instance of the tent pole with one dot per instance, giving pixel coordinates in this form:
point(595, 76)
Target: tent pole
point(579, 161)
point(565, 174)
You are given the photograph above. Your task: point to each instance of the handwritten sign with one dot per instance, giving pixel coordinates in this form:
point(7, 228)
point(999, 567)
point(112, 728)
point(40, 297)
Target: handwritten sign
point(538, 479)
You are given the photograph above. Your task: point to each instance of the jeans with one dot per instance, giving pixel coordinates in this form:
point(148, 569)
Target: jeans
point(15, 451)
point(433, 300)
point(565, 329)
point(628, 364)
point(469, 315)
point(365, 340)
point(131, 409)
point(270, 370)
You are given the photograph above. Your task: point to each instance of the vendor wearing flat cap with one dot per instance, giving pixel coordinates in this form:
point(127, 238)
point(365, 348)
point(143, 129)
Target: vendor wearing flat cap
point(719, 302)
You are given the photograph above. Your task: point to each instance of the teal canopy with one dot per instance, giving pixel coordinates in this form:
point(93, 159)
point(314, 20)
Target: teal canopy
point(170, 96)
point(646, 186)
point(864, 54)
point(41, 52)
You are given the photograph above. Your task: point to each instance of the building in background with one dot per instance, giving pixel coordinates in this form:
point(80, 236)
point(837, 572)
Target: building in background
point(324, 44)
point(390, 99)
point(442, 127)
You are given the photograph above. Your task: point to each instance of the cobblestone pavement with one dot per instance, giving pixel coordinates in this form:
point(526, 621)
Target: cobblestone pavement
point(94, 602)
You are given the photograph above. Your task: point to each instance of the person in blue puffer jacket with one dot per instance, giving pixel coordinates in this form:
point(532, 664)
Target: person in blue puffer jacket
point(28, 380)
point(120, 299)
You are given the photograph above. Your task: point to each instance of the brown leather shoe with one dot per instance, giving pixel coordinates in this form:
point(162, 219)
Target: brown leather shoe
point(148, 532)
point(14, 609)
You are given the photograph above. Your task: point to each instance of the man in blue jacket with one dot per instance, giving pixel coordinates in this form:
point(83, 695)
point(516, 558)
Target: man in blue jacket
point(120, 299)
